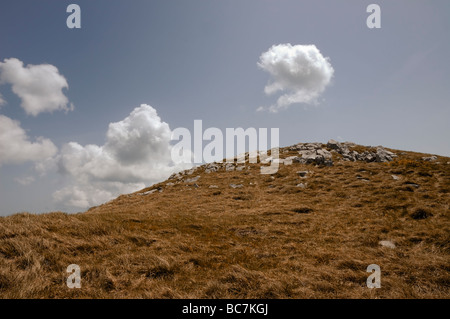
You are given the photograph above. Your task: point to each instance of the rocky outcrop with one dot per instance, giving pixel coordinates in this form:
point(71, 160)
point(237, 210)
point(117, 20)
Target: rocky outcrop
point(308, 153)
point(379, 155)
point(312, 153)
point(430, 159)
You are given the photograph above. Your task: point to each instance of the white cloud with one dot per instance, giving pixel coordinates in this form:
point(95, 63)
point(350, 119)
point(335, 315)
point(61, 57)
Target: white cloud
point(299, 70)
point(2, 101)
point(16, 148)
point(38, 86)
point(136, 154)
point(25, 181)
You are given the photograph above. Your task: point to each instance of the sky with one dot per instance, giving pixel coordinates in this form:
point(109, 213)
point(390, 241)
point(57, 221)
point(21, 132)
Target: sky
point(87, 113)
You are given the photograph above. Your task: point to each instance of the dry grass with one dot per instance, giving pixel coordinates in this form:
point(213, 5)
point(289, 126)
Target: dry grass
point(268, 239)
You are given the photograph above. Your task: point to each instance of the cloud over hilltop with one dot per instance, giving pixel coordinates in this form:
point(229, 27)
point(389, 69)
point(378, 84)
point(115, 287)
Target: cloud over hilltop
point(299, 70)
point(137, 153)
point(38, 86)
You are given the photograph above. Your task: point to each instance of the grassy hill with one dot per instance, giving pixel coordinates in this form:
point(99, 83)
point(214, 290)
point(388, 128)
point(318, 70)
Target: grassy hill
point(240, 234)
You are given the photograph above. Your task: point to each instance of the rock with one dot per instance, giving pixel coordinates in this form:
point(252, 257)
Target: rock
point(321, 157)
point(290, 159)
point(307, 153)
point(159, 189)
point(395, 177)
point(366, 157)
point(192, 180)
point(302, 173)
point(240, 168)
point(412, 184)
point(298, 160)
point(324, 153)
point(278, 161)
point(266, 160)
point(175, 176)
point(383, 156)
point(301, 185)
point(170, 184)
point(211, 167)
point(334, 145)
point(387, 243)
point(430, 159)
point(363, 178)
point(213, 186)
point(189, 171)
point(196, 185)
point(236, 185)
point(229, 167)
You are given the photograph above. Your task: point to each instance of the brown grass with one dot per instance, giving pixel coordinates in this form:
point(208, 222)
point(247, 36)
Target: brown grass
point(269, 239)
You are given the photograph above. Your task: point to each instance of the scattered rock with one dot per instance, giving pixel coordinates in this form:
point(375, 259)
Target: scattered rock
point(289, 160)
point(229, 167)
point(175, 176)
point(302, 173)
point(211, 167)
point(315, 156)
point(381, 155)
point(159, 189)
point(384, 155)
point(267, 160)
point(192, 180)
point(387, 243)
point(430, 158)
point(236, 185)
point(334, 145)
point(190, 171)
point(324, 153)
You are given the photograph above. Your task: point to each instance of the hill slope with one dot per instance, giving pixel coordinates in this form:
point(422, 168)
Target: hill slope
point(227, 231)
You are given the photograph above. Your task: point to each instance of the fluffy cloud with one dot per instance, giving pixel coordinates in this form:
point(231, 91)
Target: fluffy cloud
point(300, 70)
point(2, 101)
point(15, 146)
point(38, 86)
point(137, 153)
point(25, 181)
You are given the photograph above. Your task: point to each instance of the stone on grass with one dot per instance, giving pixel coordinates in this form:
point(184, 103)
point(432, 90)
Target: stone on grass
point(387, 243)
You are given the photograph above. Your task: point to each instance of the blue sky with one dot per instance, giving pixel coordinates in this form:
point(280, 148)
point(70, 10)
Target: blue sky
point(198, 60)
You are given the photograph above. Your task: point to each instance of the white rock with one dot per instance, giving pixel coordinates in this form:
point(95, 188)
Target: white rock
point(192, 180)
point(387, 243)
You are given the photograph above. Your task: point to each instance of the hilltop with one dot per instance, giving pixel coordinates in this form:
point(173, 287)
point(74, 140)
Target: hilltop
point(224, 230)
